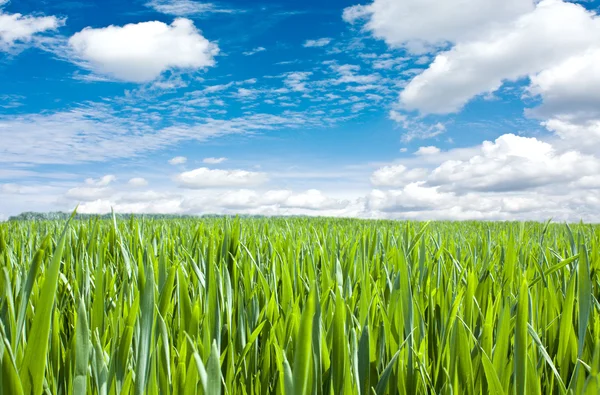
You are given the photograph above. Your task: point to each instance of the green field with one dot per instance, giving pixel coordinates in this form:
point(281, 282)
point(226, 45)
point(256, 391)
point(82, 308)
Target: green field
point(298, 306)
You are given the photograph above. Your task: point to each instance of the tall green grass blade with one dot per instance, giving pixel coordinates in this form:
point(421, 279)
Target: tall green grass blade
point(214, 371)
point(521, 340)
point(146, 330)
point(33, 367)
point(82, 350)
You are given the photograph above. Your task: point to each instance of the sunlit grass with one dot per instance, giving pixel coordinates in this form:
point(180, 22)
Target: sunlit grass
point(298, 306)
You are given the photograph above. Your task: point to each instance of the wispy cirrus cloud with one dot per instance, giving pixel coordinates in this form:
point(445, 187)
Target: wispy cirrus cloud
point(187, 7)
point(321, 42)
point(254, 51)
point(100, 131)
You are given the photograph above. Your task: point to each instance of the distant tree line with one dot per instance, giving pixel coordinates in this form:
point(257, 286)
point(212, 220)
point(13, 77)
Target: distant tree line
point(59, 215)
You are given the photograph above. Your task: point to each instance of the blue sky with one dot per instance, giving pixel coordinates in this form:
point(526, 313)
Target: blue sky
point(382, 109)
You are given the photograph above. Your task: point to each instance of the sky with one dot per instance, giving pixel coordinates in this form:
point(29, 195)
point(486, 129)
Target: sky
point(400, 109)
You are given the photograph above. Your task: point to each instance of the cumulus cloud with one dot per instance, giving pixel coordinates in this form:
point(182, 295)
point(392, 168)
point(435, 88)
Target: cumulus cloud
point(537, 41)
point(430, 150)
point(214, 161)
point(510, 178)
point(510, 163)
point(137, 182)
point(159, 206)
point(214, 201)
point(583, 136)
point(554, 43)
point(570, 89)
point(398, 175)
point(419, 24)
point(276, 200)
point(88, 193)
point(413, 197)
point(178, 160)
point(315, 200)
point(204, 177)
point(321, 42)
point(141, 52)
point(93, 189)
point(514, 163)
point(18, 28)
point(418, 201)
point(551, 43)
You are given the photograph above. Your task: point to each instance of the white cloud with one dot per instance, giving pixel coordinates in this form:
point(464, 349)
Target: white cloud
point(244, 201)
point(570, 89)
point(388, 63)
point(279, 200)
point(412, 197)
point(178, 160)
point(141, 52)
point(511, 178)
point(583, 136)
point(254, 51)
point(209, 178)
point(88, 193)
point(102, 181)
point(349, 74)
point(185, 7)
point(143, 196)
point(93, 189)
point(514, 163)
point(217, 88)
point(214, 161)
point(137, 182)
point(509, 164)
point(415, 129)
point(246, 94)
point(530, 44)
point(430, 150)
point(250, 81)
point(18, 28)
point(397, 175)
point(159, 206)
point(315, 200)
point(418, 24)
point(321, 42)
point(10, 189)
point(296, 80)
point(418, 201)
point(102, 131)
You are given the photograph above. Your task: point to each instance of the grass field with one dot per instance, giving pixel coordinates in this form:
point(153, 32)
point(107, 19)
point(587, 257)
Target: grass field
point(298, 306)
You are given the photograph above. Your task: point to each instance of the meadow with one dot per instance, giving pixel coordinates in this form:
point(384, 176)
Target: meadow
point(298, 306)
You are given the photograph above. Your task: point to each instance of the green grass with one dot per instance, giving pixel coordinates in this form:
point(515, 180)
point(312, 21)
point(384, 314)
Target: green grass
point(298, 306)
